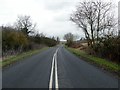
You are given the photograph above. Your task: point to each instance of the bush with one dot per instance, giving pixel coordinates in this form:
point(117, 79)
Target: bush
point(13, 39)
point(108, 48)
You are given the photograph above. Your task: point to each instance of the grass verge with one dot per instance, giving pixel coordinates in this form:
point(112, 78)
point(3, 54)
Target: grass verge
point(12, 59)
point(107, 65)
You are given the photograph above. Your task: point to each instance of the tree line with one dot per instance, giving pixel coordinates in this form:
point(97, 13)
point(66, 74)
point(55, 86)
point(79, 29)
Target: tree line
point(22, 37)
point(99, 24)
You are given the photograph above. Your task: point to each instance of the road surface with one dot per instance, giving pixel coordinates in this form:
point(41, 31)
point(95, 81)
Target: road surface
point(56, 68)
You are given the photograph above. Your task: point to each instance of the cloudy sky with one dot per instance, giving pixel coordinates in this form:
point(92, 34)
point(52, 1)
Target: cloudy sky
point(51, 16)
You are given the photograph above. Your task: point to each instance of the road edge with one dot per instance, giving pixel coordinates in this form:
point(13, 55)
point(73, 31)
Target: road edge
point(16, 58)
point(104, 68)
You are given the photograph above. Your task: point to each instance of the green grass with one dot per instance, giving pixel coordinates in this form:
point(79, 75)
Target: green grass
point(107, 65)
point(11, 59)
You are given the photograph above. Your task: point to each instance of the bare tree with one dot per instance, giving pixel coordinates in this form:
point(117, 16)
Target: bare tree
point(58, 39)
point(24, 23)
point(93, 18)
point(69, 37)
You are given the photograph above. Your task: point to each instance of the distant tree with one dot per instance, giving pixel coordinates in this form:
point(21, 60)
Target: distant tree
point(58, 39)
point(49, 41)
point(53, 38)
point(42, 35)
point(24, 23)
point(69, 37)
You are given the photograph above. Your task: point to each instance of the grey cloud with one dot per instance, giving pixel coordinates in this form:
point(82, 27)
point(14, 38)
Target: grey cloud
point(63, 17)
point(55, 5)
point(51, 16)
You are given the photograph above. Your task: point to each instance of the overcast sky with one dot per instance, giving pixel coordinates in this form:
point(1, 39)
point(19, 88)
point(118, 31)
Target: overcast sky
point(51, 16)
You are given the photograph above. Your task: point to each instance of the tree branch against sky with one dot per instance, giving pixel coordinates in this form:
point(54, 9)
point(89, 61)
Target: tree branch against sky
point(93, 18)
point(55, 13)
point(24, 23)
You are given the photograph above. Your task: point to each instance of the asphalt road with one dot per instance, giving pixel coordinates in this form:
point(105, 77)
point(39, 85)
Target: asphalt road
point(56, 68)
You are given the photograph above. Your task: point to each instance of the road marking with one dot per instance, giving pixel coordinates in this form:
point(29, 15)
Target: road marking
point(56, 75)
point(51, 76)
point(54, 64)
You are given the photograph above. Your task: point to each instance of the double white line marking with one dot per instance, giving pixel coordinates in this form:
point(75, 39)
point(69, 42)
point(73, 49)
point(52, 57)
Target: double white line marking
point(54, 65)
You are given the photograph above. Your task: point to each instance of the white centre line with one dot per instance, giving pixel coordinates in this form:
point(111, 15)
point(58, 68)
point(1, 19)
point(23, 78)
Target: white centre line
point(56, 75)
point(52, 70)
point(51, 76)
